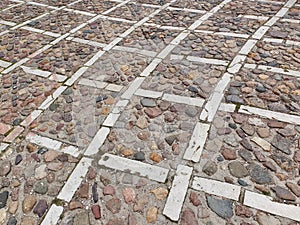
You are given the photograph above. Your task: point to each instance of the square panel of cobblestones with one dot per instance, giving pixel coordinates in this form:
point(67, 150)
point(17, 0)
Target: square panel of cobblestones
point(122, 198)
point(22, 13)
point(34, 180)
point(197, 4)
point(255, 8)
point(64, 58)
point(21, 93)
point(149, 38)
point(59, 22)
point(265, 90)
point(257, 154)
point(184, 78)
point(102, 30)
point(131, 11)
point(76, 115)
point(293, 13)
point(18, 44)
point(175, 18)
point(117, 67)
point(209, 46)
point(226, 23)
point(286, 30)
point(275, 55)
point(55, 3)
point(93, 6)
point(153, 131)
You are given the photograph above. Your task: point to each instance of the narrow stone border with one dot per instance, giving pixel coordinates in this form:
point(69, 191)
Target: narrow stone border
point(134, 167)
point(53, 215)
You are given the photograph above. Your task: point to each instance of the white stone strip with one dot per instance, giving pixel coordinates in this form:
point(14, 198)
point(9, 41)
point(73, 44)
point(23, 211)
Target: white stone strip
point(93, 83)
point(208, 61)
point(290, 42)
point(176, 57)
point(133, 88)
point(152, 172)
point(8, 23)
point(94, 58)
point(15, 65)
point(236, 63)
point(13, 134)
point(71, 150)
point(135, 50)
point(37, 72)
point(260, 32)
point(59, 39)
point(119, 19)
point(31, 117)
point(127, 32)
point(114, 87)
point(53, 215)
point(74, 30)
point(290, 20)
point(148, 93)
point(172, 28)
point(178, 192)
point(187, 10)
point(115, 7)
point(43, 5)
point(4, 64)
point(204, 31)
point(39, 51)
point(112, 44)
point(48, 101)
point(217, 188)
point(266, 203)
point(226, 107)
point(183, 100)
point(293, 73)
point(274, 40)
point(229, 34)
point(271, 2)
point(150, 5)
point(96, 44)
point(120, 106)
point(212, 105)
point(28, 21)
point(166, 51)
point(197, 141)
point(288, 118)
point(3, 146)
point(180, 37)
point(32, 29)
point(75, 180)
point(271, 21)
point(97, 141)
point(58, 78)
point(76, 75)
point(253, 17)
point(44, 141)
point(250, 65)
point(247, 47)
point(111, 119)
point(149, 69)
point(84, 13)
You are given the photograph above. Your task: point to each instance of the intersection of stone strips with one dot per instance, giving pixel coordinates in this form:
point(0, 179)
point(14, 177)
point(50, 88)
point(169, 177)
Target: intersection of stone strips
point(138, 112)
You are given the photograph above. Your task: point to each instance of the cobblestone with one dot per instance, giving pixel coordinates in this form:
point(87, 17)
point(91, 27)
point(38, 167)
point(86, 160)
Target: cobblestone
point(149, 112)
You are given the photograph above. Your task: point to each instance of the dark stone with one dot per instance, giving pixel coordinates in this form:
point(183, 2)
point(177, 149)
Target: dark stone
point(284, 162)
point(210, 168)
point(40, 208)
point(260, 175)
point(12, 221)
point(18, 159)
point(3, 199)
point(234, 99)
point(282, 144)
point(222, 208)
point(246, 144)
point(140, 156)
point(242, 182)
point(95, 193)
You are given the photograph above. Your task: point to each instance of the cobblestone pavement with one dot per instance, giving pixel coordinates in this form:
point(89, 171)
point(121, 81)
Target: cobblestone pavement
point(134, 112)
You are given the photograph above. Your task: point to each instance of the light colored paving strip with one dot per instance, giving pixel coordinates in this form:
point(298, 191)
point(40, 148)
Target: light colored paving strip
point(14, 66)
point(13, 134)
point(252, 17)
point(97, 141)
point(265, 203)
point(274, 40)
point(290, 42)
point(4, 64)
point(226, 107)
point(8, 23)
point(92, 83)
point(3, 146)
point(75, 179)
point(152, 172)
point(178, 192)
point(76, 76)
point(135, 50)
point(288, 118)
point(271, 2)
point(217, 188)
point(293, 73)
point(53, 215)
point(290, 20)
point(183, 100)
point(208, 61)
point(111, 119)
point(148, 93)
point(57, 77)
point(31, 117)
point(40, 73)
point(44, 141)
point(197, 141)
point(114, 87)
point(134, 86)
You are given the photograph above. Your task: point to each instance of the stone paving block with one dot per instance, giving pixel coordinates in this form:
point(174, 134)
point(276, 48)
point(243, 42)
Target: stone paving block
point(256, 8)
point(284, 56)
point(266, 90)
point(149, 38)
point(117, 67)
point(73, 120)
point(175, 18)
point(227, 23)
point(199, 4)
point(18, 44)
point(22, 93)
point(63, 58)
point(210, 46)
point(59, 22)
point(255, 153)
point(22, 13)
point(102, 30)
point(149, 130)
point(131, 11)
point(285, 30)
point(93, 6)
point(184, 77)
